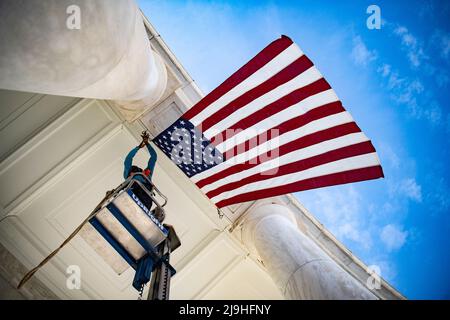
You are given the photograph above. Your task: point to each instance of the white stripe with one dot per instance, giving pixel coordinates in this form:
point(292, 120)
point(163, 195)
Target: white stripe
point(362, 161)
point(293, 111)
point(303, 79)
point(297, 155)
point(277, 64)
point(312, 127)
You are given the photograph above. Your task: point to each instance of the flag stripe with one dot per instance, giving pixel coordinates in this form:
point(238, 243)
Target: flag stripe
point(310, 127)
point(278, 129)
point(297, 143)
point(303, 79)
point(297, 166)
point(357, 162)
point(261, 59)
point(291, 72)
point(225, 146)
point(285, 156)
point(281, 61)
point(284, 59)
point(333, 179)
point(297, 134)
point(265, 113)
point(302, 142)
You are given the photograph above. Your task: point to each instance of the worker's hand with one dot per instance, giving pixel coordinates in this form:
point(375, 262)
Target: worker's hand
point(145, 136)
point(143, 143)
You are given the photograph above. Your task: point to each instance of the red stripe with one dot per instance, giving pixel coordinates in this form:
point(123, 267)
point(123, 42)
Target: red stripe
point(313, 183)
point(285, 75)
point(300, 165)
point(256, 63)
point(273, 108)
point(293, 145)
point(289, 125)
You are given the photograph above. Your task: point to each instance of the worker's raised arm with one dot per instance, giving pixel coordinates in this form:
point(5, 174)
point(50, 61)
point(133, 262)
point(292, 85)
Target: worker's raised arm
point(129, 162)
point(153, 158)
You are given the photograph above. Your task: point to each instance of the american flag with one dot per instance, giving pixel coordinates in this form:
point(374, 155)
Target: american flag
point(273, 127)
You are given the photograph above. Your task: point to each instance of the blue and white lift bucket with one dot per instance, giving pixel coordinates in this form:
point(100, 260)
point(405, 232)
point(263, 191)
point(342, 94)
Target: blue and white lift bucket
point(125, 231)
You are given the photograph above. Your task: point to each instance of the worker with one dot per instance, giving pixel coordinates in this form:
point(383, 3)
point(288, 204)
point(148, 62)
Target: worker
point(130, 169)
point(136, 172)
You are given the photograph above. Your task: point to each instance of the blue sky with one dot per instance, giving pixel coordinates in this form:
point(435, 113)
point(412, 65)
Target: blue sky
point(394, 81)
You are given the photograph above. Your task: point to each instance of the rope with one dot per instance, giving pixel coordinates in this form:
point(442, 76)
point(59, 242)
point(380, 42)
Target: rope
point(73, 234)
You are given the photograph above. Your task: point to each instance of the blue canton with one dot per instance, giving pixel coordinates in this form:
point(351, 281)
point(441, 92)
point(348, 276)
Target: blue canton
point(188, 148)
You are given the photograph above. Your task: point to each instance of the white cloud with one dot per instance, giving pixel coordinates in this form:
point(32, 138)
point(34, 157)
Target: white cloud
point(385, 70)
point(393, 237)
point(341, 210)
point(394, 81)
point(411, 93)
point(433, 113)
point(410, 89)
point(360, 54)
point(408, 188)
point(391, 207)
point(417, 57)
point(411, 45)
point(411, 189)
point(352, 230)
point(387, 153)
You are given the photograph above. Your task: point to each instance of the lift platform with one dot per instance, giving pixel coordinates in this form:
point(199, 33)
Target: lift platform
point(127, 230)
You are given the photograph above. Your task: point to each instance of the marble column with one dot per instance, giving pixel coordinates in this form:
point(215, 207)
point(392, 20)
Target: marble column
point(299, 267)
point(81, 48)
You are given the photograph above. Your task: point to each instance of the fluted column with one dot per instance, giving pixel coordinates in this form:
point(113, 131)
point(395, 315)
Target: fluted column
point(81, 48)
point(299, 267)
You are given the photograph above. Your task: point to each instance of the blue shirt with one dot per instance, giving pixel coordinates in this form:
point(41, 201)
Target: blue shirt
point(129, 162)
